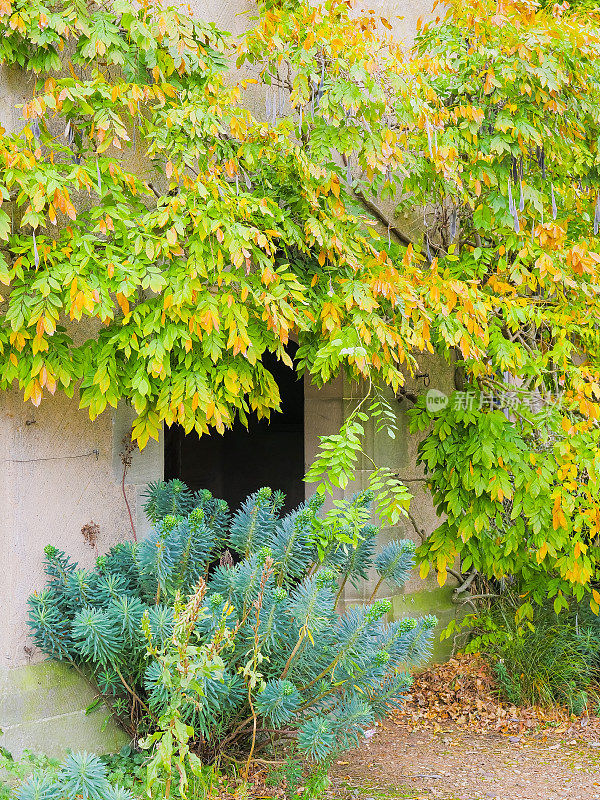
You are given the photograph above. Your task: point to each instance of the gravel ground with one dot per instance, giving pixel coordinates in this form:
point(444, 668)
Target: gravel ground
point(454, 763)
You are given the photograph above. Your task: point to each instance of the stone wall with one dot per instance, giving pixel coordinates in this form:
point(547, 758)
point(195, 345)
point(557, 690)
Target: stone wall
point(60, 472)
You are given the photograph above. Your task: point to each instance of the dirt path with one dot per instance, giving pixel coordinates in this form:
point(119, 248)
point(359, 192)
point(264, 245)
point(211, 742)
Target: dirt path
point(455, 763)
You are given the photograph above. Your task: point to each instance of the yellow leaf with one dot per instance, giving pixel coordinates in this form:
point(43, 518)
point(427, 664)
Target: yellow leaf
point(123, 303)
point(541, 553)
point(558, 518)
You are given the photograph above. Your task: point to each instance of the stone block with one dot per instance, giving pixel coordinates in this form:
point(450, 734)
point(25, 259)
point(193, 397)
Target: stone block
point(437, 601)
point(43, 708)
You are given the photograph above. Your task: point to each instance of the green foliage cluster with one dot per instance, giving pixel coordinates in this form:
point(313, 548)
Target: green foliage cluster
point(157, 239)
point(246, 229)
point(512, 459)
point(488, 130)
point(82, 776)
point(554, 660)
point(217, 627)
point(14, 770)
point(517, 500)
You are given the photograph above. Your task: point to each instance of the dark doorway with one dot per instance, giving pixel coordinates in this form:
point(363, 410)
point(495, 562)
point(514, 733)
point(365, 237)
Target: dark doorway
point(240, 461)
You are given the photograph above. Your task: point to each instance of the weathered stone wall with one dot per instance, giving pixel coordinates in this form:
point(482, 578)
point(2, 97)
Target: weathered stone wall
point(60, 472)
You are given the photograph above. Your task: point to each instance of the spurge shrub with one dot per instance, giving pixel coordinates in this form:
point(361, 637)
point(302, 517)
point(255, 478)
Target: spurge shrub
point(218, 627)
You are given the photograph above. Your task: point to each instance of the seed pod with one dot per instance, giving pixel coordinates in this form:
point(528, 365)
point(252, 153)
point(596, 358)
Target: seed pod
point(427, 250)
point(36, 255)
point(429, 139)
point(597, 215)
point(554, 209)
point(522, 198)
point(516, 222)
point(319, 93)
point(543, 162)
point(453, 221)
point(511, 202)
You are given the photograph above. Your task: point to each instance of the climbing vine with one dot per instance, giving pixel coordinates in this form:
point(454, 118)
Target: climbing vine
point(489, 128)
point(158, 239)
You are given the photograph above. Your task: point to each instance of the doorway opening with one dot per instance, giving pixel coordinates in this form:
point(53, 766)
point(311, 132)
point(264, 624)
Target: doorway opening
point(236, 463)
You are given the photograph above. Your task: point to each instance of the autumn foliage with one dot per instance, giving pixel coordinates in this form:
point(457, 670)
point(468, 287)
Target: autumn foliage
point(158, 239)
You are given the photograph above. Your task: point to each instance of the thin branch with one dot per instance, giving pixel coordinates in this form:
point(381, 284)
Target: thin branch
point(376, 589)
point(264, 761)
point(127, 449)
point(464, 586)
point(402, 238)
point(133, 693)
point(377, 213)
point(472, 597)
point(293, 653)
point(418, 531)
point(339, 594)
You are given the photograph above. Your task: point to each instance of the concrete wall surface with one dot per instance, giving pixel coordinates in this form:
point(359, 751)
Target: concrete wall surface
point(43, 709)
point(61, 472)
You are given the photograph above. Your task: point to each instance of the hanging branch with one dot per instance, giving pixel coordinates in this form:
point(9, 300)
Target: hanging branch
point(392, 229)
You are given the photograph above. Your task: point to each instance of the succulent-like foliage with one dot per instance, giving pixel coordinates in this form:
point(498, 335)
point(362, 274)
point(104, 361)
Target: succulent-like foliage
point(95, 636)
point(82, 777)
point(38, 786)
point(171, 623)
point(395, 561)
point(278, 702)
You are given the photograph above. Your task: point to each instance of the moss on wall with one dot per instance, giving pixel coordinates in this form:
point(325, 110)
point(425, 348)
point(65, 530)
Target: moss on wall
point(43, 708)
